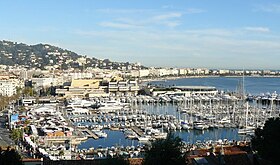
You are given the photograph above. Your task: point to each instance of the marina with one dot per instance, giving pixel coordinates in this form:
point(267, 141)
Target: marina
point(89, 133)
point(140, 82)
point(131, 123)
point(99, 127)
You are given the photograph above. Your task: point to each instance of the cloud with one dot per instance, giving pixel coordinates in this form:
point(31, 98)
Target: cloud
point(168, 16)
point(223, 47)
point(118, 25)
point(146, 18)
point(212, 32)
point(169, 19)
point(172, 24)
point(271, 8)
point(258, 29)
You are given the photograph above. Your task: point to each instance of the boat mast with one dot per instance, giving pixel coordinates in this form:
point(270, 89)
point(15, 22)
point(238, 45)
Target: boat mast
point(246, 117)
point(243, 86)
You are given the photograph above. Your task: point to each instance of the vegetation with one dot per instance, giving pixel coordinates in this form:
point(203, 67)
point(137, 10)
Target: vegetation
point(61, 153)
point(10, 157)
point(165, 151)
point(116, 161)
point(16, 134)
point(266, 141)
point(42, 55)
point(6, 100)
point(29, 91)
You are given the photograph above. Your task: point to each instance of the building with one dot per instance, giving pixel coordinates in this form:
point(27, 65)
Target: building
point(81, 75)
point(44, 82)
point(220, 155)
point(84, 88)
point(223, 72)
point(123, 88)
point(183, 72)
point(196, 90)
point(7, 87)
point(183, 91)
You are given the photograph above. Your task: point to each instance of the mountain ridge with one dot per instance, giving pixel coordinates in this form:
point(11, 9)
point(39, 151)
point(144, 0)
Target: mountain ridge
point(44, 56)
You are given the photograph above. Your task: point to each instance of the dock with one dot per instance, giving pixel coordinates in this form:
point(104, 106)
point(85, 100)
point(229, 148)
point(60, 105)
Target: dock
point(138, 131)
point(90, 134)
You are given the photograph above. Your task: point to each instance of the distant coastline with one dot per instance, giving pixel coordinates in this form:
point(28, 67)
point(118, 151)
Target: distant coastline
point(147, 80)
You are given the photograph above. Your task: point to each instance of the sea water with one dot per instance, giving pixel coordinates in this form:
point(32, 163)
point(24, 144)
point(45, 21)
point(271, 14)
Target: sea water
point(253, 85)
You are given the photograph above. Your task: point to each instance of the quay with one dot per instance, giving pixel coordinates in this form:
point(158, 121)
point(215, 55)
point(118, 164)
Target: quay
point(75, 140)
point(90, 134)
point(138, 131)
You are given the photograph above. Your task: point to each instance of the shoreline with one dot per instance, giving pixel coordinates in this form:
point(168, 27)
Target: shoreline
point(147, 80)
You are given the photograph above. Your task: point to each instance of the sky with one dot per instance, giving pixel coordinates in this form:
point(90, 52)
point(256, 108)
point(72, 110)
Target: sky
point(219, 34)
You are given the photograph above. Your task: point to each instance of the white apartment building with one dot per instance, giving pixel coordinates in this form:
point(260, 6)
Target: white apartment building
point(82, 75)
point(123, 88)
point(144, 72)
point(183, 71)
point(140, 73)
point(222, 71)
point(44, 82)
point(7, 87)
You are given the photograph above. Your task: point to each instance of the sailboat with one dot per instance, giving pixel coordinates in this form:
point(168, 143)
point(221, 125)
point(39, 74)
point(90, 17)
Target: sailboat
point(247, 130)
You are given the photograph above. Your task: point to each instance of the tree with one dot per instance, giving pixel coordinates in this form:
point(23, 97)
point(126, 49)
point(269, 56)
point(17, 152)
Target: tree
point(17, 134)
point(10, 157)
point(266, 141)
point(165, 151)
point(61, 153)
point(116, 161)
point(4, 102)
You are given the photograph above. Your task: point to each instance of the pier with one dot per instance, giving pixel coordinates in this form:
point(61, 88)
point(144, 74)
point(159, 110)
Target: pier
point(75, 140)
point(138, 131)
point(90, 134)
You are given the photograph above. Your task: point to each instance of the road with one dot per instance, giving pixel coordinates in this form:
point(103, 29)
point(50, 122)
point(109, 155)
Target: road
point(5, 139)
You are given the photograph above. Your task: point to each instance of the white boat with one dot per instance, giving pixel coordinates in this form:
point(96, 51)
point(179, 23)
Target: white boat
point(185, 125)
point(100, 134)
point(160, 135)
point(172, 126)
point(110, 106)
point(224, 120)
point(77, 102)
point(247, 130)
point(200, 125)
point(144, 138)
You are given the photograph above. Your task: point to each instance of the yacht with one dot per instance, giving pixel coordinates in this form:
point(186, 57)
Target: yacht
point(200, 125)
point(100, 134)
point(77, 102)
point(110, 106)
point(247, 130)
point(144, 138)
point(224, 120)
point(185, 125)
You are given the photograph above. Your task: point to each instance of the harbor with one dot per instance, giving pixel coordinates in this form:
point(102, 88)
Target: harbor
point(98, 127)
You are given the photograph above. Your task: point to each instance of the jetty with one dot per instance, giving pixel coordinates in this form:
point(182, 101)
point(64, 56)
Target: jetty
point(90, 134)
point(138, 131)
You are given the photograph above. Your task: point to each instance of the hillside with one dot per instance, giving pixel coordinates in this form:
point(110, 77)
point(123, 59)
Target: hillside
point(45, 55)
